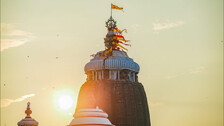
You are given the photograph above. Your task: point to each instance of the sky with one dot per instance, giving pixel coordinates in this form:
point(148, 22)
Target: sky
point(178, 44)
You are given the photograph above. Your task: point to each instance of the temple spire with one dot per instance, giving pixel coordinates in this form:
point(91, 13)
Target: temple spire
point(114, 39)
point(28, 111)
point(28, 121)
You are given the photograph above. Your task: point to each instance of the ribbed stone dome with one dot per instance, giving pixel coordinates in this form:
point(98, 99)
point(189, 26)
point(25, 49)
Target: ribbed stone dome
point(118, 60)
point(93, 117)
point(28, 121)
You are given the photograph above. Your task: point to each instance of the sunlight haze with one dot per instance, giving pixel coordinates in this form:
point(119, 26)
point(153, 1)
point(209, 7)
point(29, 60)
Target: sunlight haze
point(178, 45)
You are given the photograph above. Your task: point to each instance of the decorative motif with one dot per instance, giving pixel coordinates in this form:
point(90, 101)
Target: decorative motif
point(28, 111)
point(110, 22)
point(114, 39)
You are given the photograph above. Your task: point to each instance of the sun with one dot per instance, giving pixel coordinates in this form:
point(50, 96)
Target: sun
point(65, 101)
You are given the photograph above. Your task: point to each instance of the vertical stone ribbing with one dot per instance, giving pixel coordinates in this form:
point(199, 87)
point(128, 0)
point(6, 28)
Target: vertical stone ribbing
point(124, 101)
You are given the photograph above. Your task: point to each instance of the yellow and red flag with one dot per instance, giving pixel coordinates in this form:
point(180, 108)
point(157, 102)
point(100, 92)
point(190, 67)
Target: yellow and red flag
point(119, 45)
point(122, 39)
point(116, 7)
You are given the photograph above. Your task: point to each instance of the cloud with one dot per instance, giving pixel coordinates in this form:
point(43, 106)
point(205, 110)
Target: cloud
point(166, 25)
point(175, 75)
point(197, 70)
point(155, 104)
point(12, 37)
point(193, 71)
point(7, 102)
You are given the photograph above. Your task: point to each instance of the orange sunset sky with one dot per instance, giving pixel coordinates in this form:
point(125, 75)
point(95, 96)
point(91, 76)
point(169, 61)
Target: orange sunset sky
point(178, 44)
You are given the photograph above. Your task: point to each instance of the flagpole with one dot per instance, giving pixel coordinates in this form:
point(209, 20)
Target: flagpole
point(111, 9)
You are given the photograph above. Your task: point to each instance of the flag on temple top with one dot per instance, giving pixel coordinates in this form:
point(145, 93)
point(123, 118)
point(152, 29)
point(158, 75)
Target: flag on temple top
point(116, 7)
point(120, 31)
point(122, 39)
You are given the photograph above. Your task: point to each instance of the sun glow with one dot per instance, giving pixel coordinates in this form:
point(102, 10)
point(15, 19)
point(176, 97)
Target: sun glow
point(65, 102)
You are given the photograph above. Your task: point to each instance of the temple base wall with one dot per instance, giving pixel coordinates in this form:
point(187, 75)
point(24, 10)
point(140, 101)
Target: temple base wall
point(124, 101)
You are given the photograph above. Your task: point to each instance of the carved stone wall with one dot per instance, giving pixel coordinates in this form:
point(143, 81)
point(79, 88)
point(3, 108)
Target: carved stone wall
point(124, 101)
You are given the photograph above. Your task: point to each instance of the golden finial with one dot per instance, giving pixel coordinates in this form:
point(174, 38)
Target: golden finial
point(28, 111)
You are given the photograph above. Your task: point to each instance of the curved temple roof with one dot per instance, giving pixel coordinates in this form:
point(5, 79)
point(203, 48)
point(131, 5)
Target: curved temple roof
point(118, 60)
point(93, 117)
point(28, 121)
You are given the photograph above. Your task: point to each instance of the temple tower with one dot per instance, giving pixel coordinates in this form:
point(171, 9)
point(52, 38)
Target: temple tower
point(112, 84)
point(28, 121)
